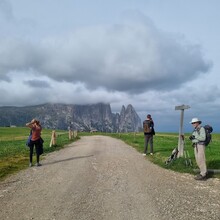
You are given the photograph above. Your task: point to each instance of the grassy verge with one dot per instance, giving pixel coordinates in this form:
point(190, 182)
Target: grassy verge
point(14, 154)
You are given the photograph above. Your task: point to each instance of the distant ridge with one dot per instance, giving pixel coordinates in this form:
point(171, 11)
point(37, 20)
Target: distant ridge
point(77, 117)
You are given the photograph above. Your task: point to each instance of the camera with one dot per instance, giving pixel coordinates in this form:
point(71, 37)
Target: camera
point(192, 137)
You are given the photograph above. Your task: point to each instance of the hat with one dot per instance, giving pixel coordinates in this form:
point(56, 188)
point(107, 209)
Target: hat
point(194, 120)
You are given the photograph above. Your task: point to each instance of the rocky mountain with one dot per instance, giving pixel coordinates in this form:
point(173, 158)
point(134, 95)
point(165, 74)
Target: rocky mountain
point(77, 117)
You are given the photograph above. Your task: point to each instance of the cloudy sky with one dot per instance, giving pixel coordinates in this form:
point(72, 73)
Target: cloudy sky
point(153, 54)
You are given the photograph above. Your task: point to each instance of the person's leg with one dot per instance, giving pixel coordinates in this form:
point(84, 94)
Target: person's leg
point(37, 148)
point(151, 144)
point(38, 158)
point(202, 160)
point(31, 154)
point(146, 139)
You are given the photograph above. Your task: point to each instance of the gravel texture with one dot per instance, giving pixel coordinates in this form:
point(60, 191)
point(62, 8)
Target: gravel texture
point(102, 178)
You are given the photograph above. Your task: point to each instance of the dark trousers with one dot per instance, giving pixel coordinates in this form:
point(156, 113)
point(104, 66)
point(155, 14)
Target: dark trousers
point(148, 139)
point(37, 146)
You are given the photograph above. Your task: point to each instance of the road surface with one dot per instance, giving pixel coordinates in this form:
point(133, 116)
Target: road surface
point(102, 178)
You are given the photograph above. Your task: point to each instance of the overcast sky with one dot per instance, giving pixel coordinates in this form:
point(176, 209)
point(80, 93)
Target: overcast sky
point(153, 54)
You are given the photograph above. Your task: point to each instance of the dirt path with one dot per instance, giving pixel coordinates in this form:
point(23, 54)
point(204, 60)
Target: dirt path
point(101, 178)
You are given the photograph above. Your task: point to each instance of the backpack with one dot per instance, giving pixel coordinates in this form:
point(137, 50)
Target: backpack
point(173, 156)
point(147, 126)
point(208, 131)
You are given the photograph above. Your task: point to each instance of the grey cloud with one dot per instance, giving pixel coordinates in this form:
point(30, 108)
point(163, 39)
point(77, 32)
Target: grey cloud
point(37, 83)
point(11, 26)
point(128, 58)
point(18, 55)
point(6, 12)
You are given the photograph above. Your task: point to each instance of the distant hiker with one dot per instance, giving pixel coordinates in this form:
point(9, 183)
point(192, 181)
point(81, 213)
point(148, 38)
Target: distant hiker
point(198, 140)
point(36, 140)
point(148, 128)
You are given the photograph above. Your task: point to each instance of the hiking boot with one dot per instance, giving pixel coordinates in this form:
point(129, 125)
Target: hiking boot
point(144, 154)
point(200, 177)
point(38, 164)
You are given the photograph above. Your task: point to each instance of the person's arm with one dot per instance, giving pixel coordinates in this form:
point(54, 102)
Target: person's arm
point(30, 124)
point(152, 123)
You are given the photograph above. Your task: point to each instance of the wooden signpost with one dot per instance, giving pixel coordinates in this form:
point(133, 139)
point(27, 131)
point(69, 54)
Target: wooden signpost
point(181, 134)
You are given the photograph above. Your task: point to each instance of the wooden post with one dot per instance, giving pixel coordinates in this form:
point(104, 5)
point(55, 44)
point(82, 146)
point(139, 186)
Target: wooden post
point(181, 134)
point(75, 134)
point(70, 134)
point(53, 139)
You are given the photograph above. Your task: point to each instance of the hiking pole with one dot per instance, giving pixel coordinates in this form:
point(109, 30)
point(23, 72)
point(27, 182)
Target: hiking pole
point(188, 160)
point(184, 150)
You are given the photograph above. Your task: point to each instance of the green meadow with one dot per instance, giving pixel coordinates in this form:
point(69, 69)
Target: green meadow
point(14, 154)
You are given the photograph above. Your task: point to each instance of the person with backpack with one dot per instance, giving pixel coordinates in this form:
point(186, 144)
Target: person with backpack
point(35, 140)
point(148, 128)
point(198, 139)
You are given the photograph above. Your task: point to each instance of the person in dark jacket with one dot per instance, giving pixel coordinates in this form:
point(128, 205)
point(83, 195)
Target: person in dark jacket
point(36, 140)
point(148, 127)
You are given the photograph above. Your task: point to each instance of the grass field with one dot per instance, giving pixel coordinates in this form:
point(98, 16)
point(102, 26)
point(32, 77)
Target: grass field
point(14, 155)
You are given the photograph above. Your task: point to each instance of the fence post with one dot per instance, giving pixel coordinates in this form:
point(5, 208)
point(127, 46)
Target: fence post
point(53, 139)
point(70, 134)
point(75, 134)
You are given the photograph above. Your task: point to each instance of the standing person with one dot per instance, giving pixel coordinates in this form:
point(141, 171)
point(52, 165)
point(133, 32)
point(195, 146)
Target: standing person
point(198, 137)
point(35, 140)
point(148, 127)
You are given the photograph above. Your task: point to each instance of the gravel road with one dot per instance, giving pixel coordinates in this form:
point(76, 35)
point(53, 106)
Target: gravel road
point(102, 178)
